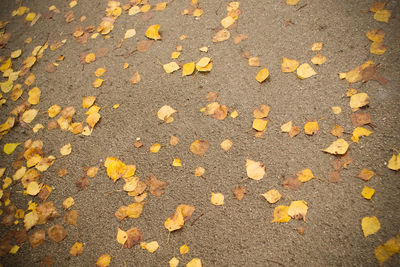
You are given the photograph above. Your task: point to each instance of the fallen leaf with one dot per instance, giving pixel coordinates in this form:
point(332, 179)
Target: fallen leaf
point(71, 217)
point(53, 110)
point(294, 131)
point(29, 115)
point(239, 192)
point(298, 210)
point(366, 174)
point(121, 236)
point(66, 150)
point(305, 175)
point(165, 114)
point(37, 238)
point(319, 59)
point(115, 168)
point(92, 171)
point(226, 144)
point(254, 62)
point(91, 57)
point(367, 192)
point(376, 35)
point(184, 249)
point(262, 112)
point(134, 237)
point(144, 45)
point(338, 147)
point(358, 132)
point(177, 220)
point(337, 131)
point(195, 262)
point(173, 140)
point(317, 46)
point(34, 95)
point(30, 220)
point(259, 124)
point(9, 148)
point(386, 250)
point(360, 119)
point(129, 33)
point(289, 65)
point(152, 32)
point(311, 127)
point(199, 147)
point(188, 69)
point(334, 177)
point(394, 162)
point(292, 2)
point(150, 247)
point(88, 101)
point(104, 260)
point(174, 262)
point(262, 75)
point(281, 214)
point(305, 71)
point(155, 148)
point(272, 196)
point(177, 162)
point(156, 186)
point(221, 36)
point(255, 170)
point(199, 171)
point(97, 83)
point(376, 6)
point(240, 37)
point(33, 188)
point(171, 67)
point(68, 202)
point(217, 199)
point(57, 233)
point(370, 225)
point(76, 249)
point(383, 15)
point(292, 183)
point(377, 48)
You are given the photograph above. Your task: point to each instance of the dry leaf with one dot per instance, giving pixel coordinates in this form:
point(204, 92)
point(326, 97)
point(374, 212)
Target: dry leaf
point(292, 183)
point(254, 62)
point(155, 148)
point(394, 162)
point(37, 238)
point(317, 46)
point(226, 144)
point(88, 101)
point(188, 69)
point(360, 119)
point(386, 250)
point(103, 260)
point(76, 249)
point(171, 67)
point(376, 35)
point(68, 202)
point(240, 37)
point(184, 249)
point(289, 65)
point(367, 192)
point(217, 199)
point(66, 150)
point(305, 175)
point(57, 233)
point(255, 170)
point(165, 113)
point(292, 2)
point(366, 174)
point(259, 124)
point(298, 210)
point(334, 177)
point(305, 71)
point(173, 140)
point(370, 225)
point(199, 171)
point(150, 247)
point(239, 192)
point(383, 15)
point(262, 112)
point(281, 214)
point(199, 147)
point(121, 236)
point(336, 110)
point(358, 132)
point(156, 186)
point(262, 75)
point(339, 147)
point(272, 196)
point(319, 59)
point(337, 131)
point(195, 262)
point(221, 36)
point(152, 32)
point(71, 217)
point(134, 237)
point(129, 33)
point(311, 127)
point(177, 220)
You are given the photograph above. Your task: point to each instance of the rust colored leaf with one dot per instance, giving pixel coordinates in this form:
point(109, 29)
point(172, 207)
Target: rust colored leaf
point(82, 183)
point(156, 186)
point(360, 119)
point(143, 46)
point(199, 147)
point(46, 212)
point(212, 96)
point(239, 192)
point(334, 177)
point(47, 261)
point(57, 233)
point(294, 131)
point(20, 236)
point(71, 217)
point(134, 237)
point(292, 183)
point(37, 238)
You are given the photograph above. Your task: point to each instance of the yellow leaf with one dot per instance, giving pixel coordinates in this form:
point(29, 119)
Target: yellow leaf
point(6, 183)
point(34, 95)
point(386, 250)
point(37, 127)
point(255, 170)
point(298, 210)
point(336, 110)
point(292, 2)
point(76, 249)
point(97, 83)
point(289, 65)
point(92, 171)
point(177, 162)
point(376, 6)
point(150, 247)
point(68, 202)
point(174, 262)
point(10, 147)
point(195, 262)
point(370, 225)
point(16, 53)
point(198, 12)
point(145, 8)
point(90, 58)
point(227, 21)
point(30, 220)
point(382, 15)
point(115, 168)
point(203, 62)
point(217, 199)
point(305, 71)
point(135, 78)
point(358, 132)
point(14, 249)
point(152, 32)
point(272, 196)
point(305, 175)
point(30, 16)
point(319, 59)
point(88, 101)
point(129, 33)
point(121, 236)
point(29, 115)
point(33, 188)
point(221, 36)
point(66, 150)
point(126, 65)
point(165, 114)
point(6, 65)
point(367, 192)
point(259, 124)
point(6, 86)
point(183, 249)
point(160, 6)
point(103, 260)
point(206, 68)
point(394, 163)
point(317, 46)
point(339, 147)
point(287, 127)
point(226, 144)
point(377, 48)
point(376, 35)
point(177, 220)
point(93, 109)
point(175, 54)
point(281, 214)
point(53, 110)
point(171, 67)
point(262, 75)
point(359, 100)
point(204, 49)
point(234, 114)
point(262, 112)
point(188, 69)
point(311, 127)
point(199, 171)
point(99, 72)
point(155, 148)
point(92, 119)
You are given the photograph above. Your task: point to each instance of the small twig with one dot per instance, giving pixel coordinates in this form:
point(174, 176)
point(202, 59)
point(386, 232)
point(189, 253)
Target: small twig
point(301, 7)
point(277, 262)
point(195, 220)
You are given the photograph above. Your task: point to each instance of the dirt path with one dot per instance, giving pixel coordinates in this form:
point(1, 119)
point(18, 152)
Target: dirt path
point(240, 232)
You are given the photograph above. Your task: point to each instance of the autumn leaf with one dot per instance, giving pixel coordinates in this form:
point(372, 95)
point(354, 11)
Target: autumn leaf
point(188, 69)
point(259, 124)
point(37, 238)
point(76, 249)
point(104, 260)
point(121, 236)
point(150, 247)
point(289, 65)
point(386, 250)
point(370, 225)
point(156, 186)
point(152, 32)
point(366, 174)
point(217, 199)
point(239, 192)
point(255, 170)
point(199, 147)
point(311, 127)
point(184, 249)
point(305, 71)
point(262, 75)
point(226, 144)
point(134, 237)
point(305, 175)
point(171, 67)
point(281, 214)
point(367, 192)
point(57, 233)
point(298, 210)
point(394, 162)
point(319, 59)
point(272, 196)
point(9, 148)
point(338, 147)
point(177, 220)
point(195, 262)
point(221, 36)
point(358, 132)
point(165, 114)
point(115, 168)
point(155, 148)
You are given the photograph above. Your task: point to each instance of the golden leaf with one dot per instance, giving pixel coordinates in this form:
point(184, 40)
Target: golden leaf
point(90, 58)
point(358, 132)
point(121, 236)
point(97, 83)
point(152, 32)
point(366, 174)
point(175, 54)
point(305, 175)
point(394, 163)
point(286, 127)
point(217, 199)
point(88, 101)
point(221, 36)
point(171, 67)
point(376, 35)
point(226, 144)
point(155, 148)
point(195, 262)
point(115, 168)
point(103, 260)
point(177, 220)
point(10, 147)
point(386, 250)
point(367, 192)
point(135, 78)
point(319, 59)
point(174, 262)
point(259, 124)
point(262, 75)
point(199, 171)
point(199, 147)
point(317, 46)
point(129, 33)
point(383, 15)
point(370, 225)
point(298, 210)
point(29, 115)
point(377, 48)
point(311, 127)
point(68, 202)
point(336, 110)
point(76, 249)
point(150, 247)
point(188, 69)
point(33, 188)
point(359, 100)
point(262, 112)
point(165, 114)
point(255, 170)
point(289, 65)
point(292, 2)
point(177, 162)
point(305, 71)
point(281, 214)
point(339, 147)
point(92, 119)
point(53, 110)
point(99, 72)
point(272, 196)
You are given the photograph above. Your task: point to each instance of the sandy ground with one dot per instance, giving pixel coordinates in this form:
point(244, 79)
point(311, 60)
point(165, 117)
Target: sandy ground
point(238, 233)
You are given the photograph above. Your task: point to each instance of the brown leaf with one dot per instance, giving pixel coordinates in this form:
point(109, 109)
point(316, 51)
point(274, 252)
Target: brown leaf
point(46, 212)
point(342, 162)
point(337, 131)
point(294, 131)
point(156, 186)
point(199, 147)
point(138, 144)
point(82, 183)
point(71, 217)
point(334, 177)
point(46, 261)
point(359, 119)
point(50, 67)
point(20, 236)
point(52, 124)
point(212, 96)
point(262, 112)
point(37, 238)
point(173, 140)
point(366, 174)
point(69, 16)
point(101, 52)
point(44, 193)
point(143, 46)
point(239, 192)
point(301, 230)
point(240, 37)
point(57, 233)
point(62, 172)
point(134, 237)
point(291, 183)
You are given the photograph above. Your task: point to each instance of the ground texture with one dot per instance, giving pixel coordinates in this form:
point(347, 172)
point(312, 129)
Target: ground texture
point(240, 232)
